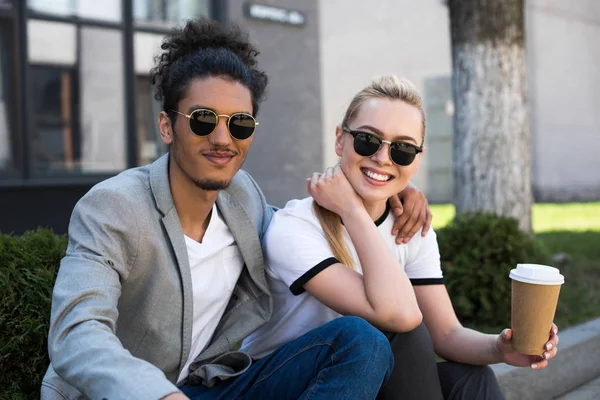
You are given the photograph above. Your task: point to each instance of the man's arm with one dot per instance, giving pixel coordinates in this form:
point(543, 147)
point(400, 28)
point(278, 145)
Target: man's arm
point(83, 347)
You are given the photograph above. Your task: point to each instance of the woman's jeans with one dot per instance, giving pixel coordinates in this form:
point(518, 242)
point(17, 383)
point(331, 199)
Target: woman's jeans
point(346, 358)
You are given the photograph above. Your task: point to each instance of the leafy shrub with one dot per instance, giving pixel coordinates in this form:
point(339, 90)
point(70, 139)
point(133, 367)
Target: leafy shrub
point(478, 250)
point(28, 267)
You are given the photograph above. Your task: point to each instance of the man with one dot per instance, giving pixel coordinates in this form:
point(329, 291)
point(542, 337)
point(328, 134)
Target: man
point(164, 274)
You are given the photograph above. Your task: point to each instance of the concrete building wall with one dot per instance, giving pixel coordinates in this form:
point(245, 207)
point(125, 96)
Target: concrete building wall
point(563, 41)
point(361, 40)
point(287, 147)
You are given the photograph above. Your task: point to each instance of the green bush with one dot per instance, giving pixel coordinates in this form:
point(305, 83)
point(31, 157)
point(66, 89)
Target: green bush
point(28, 267)
point(478, 251)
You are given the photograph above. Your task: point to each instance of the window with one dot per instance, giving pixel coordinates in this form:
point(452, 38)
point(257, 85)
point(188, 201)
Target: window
point(77, 70)
point(7, 102)
point(7, 5)
point(77, 98)
point(54, 140)
point(150, 144)
point(167, 13)
point(42, 37)
point(105, 10)
point(102, 101)
point(55, 7)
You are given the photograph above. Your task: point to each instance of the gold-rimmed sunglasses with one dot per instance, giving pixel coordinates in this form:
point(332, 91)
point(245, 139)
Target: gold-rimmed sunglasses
point(203, 122)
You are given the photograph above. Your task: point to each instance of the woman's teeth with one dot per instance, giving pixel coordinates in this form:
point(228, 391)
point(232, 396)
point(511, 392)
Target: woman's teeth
point(377, 177)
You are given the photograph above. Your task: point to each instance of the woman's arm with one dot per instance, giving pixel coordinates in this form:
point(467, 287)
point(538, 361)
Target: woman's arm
point(454, 342)
point(383, 295)
point(451, 340)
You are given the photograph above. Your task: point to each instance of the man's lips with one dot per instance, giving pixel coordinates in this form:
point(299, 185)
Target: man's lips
point(219, 157)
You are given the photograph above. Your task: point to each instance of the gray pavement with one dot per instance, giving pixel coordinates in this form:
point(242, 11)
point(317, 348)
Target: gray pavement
point(587, 391)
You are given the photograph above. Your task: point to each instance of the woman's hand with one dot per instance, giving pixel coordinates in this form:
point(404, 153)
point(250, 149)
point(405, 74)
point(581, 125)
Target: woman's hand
point(333, 191)
point(511, 357)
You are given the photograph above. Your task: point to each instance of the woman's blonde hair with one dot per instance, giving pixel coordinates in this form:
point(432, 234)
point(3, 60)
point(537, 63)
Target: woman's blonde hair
point(388, 87)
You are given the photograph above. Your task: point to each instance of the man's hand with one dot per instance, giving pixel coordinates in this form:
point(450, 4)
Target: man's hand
point(412, 211)
point(176, 396)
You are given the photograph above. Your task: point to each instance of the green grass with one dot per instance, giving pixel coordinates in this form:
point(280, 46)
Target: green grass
point(546, 217)
point(442, 214)
point(573, 229)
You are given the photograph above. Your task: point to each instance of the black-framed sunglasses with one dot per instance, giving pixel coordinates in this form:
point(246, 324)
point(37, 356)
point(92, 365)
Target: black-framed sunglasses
point(367, 145)
point(204, 121)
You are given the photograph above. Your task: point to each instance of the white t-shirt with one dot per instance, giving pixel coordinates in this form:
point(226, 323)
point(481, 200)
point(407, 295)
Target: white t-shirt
point(296, 250)
point(216, 265)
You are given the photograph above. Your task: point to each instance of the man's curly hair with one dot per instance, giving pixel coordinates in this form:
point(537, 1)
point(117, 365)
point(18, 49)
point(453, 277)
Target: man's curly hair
point(204, 48)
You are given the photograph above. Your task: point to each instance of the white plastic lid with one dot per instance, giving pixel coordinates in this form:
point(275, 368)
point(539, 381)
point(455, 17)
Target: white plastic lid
point(537, 274)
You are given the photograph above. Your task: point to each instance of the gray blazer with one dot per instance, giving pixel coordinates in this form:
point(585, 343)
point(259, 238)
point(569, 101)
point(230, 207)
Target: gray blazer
point(121, 321)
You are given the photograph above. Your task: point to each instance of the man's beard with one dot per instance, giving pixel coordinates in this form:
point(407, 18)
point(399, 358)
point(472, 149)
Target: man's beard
point(208, 184)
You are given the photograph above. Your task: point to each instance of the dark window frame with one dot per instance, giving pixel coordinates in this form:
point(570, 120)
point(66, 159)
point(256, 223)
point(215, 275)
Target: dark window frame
point(11, 80)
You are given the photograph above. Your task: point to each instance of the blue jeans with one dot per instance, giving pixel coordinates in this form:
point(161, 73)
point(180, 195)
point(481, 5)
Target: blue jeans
point(346, 358)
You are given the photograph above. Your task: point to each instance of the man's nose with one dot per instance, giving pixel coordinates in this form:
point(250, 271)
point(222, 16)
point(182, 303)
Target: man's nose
point(220, 136)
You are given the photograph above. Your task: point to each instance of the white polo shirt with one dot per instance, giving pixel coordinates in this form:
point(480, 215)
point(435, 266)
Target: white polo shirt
point(216, 265)
point(296, 250)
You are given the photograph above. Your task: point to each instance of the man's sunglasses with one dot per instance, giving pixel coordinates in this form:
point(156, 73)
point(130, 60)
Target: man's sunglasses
point(367, 145)
point(204, 121)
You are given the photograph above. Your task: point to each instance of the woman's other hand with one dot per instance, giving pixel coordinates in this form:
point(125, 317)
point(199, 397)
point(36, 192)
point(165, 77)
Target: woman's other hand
point(511, 357)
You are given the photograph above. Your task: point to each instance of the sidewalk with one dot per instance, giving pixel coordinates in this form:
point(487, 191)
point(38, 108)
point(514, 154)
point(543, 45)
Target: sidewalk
point(588, 391)
point(574, 372)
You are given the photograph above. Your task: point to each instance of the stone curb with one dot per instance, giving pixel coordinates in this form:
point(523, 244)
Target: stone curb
point(577, 362)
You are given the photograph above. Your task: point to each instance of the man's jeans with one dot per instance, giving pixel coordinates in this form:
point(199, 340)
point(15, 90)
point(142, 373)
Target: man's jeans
point(346, 358)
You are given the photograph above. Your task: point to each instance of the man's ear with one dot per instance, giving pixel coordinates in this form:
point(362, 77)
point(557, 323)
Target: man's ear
point(339, 141)
point(165, 128)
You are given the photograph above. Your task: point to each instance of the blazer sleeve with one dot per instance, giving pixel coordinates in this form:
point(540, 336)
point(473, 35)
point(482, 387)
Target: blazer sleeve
point(83, 347)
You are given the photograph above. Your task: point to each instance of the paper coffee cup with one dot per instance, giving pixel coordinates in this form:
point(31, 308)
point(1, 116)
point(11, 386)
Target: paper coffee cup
point(535, 290)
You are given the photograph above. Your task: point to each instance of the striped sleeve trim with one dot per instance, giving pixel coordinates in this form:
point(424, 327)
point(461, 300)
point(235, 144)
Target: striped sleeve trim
point(297, 288)
point(427, 281)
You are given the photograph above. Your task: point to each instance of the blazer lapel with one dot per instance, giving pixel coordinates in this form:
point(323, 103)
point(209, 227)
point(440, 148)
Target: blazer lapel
point(245, 236)
point(161, 190)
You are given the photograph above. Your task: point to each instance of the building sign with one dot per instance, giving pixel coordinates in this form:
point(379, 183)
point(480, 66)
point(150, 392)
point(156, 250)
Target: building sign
point(274, 14)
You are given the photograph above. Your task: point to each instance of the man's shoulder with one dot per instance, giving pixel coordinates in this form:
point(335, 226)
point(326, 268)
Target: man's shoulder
point(130, 184)
point(132, 179)
point(128, 188)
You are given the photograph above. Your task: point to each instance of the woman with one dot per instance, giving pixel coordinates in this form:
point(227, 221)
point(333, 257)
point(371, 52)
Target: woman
point(332, 254)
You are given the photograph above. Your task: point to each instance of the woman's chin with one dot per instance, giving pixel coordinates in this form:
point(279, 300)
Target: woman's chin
point(371, 196)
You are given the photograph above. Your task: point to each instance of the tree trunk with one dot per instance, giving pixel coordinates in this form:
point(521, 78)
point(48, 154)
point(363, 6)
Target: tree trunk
point(491, 151)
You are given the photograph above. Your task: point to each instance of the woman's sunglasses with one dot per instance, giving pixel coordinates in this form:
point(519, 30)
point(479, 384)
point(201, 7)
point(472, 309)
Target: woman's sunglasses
point(367, 145)
point(204, 121)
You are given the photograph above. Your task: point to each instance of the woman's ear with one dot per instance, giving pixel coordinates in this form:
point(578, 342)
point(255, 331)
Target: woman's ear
point(165, 128)
point(339, 140)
